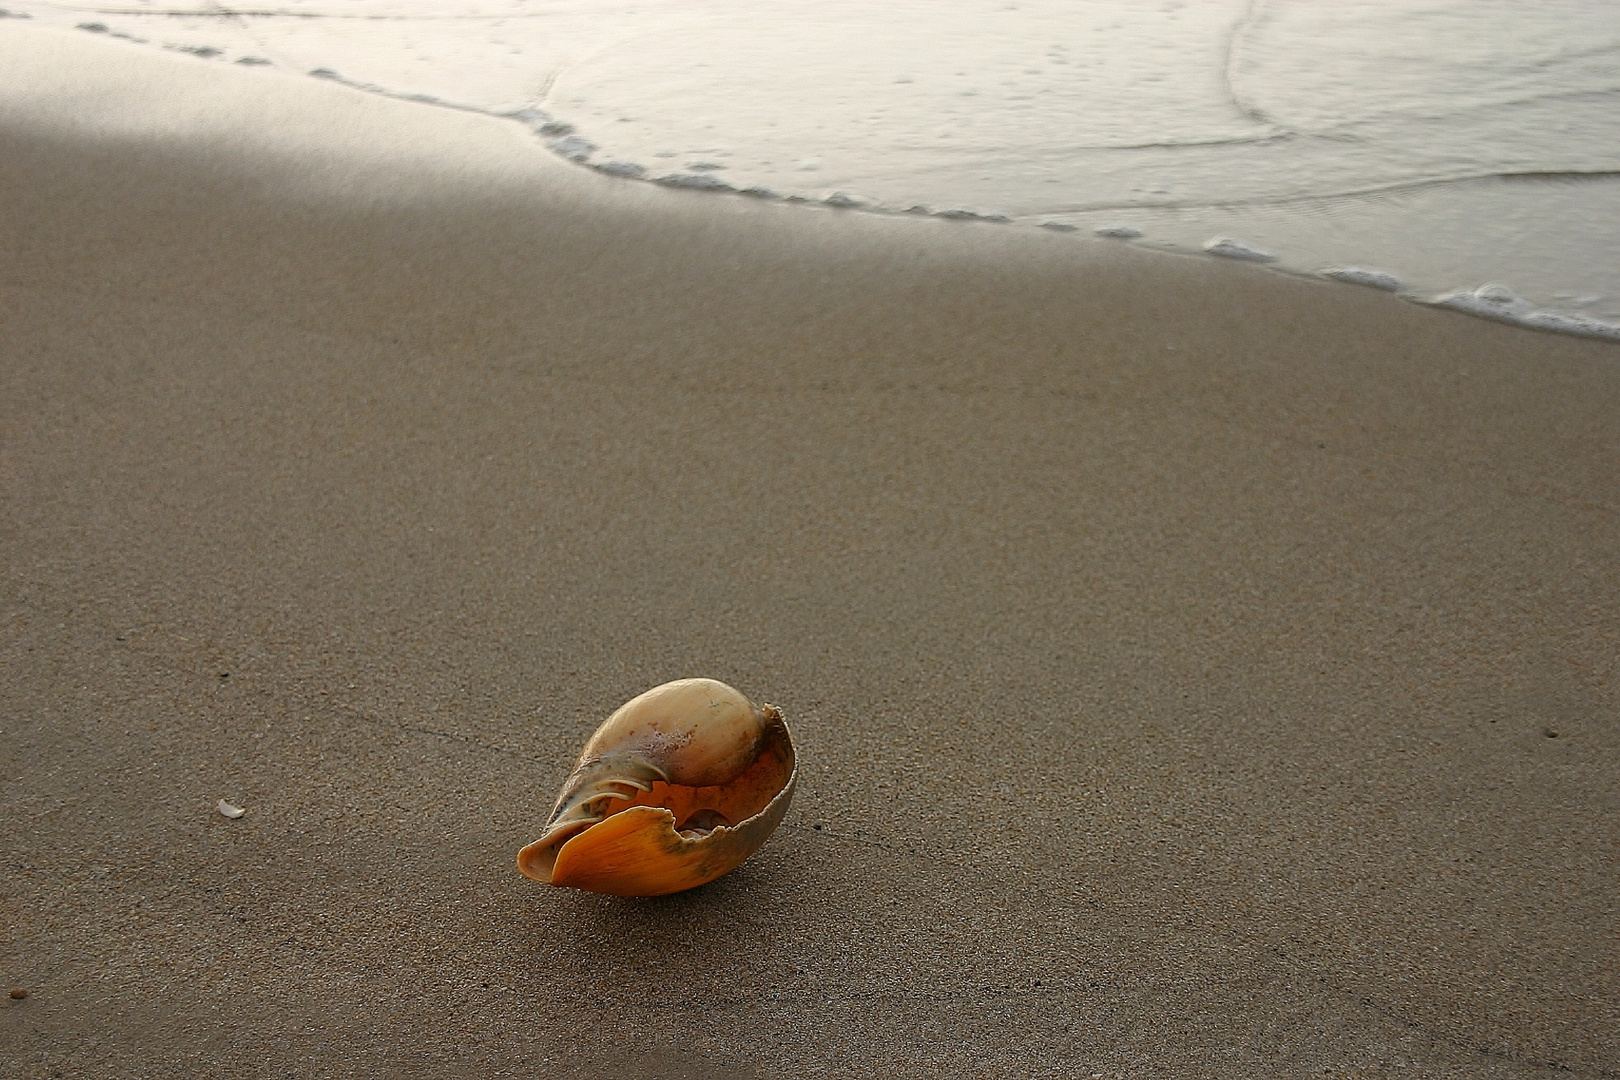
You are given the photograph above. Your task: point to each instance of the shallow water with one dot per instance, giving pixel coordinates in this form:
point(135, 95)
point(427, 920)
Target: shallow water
point(1449, 144)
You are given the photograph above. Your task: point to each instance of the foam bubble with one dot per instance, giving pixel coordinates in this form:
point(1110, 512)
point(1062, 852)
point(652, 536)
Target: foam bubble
point(1120, 232)
point(1361, 275)
point(1493, 301)
point(627, 169)
point(573, 147)
point(843, 200)
point(534, 118)
point(1495, 293)
point(695, 181)
point(1498, 301)
point(103, 28)
point(957, 214)
point(1228, 248)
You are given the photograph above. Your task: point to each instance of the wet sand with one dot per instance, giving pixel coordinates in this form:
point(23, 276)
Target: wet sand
point(1196, 672)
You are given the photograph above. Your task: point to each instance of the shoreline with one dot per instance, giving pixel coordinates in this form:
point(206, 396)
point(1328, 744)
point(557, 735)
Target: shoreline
point(1172, 647)
point(1488, 300)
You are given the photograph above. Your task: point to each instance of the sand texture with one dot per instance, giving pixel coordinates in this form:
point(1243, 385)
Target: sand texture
point(1195, 672)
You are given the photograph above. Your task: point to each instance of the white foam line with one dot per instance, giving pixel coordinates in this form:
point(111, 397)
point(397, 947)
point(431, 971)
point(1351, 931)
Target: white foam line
point(1495, 301)
point(693, 181)
point(1492, 301)
point(956, 214)
point(563, 140)
point(420, 99)
point(1489, 301)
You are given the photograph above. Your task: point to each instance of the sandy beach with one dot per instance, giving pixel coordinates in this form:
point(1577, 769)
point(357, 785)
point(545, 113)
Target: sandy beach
point(1195, 671)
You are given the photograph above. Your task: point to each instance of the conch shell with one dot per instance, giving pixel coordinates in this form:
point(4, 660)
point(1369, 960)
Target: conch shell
point(677, 787)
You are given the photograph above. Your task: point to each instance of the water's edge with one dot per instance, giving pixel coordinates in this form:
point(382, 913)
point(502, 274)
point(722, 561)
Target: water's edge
point(563, 138)
point(1490, 301)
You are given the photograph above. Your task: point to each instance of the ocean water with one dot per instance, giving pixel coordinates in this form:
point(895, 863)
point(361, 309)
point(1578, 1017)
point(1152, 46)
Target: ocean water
point(1465, 152)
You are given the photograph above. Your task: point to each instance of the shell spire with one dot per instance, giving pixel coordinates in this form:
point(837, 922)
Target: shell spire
point(677, 787)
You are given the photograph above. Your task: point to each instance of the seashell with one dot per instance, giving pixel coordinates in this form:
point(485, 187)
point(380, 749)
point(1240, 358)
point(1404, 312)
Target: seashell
point(677, 787)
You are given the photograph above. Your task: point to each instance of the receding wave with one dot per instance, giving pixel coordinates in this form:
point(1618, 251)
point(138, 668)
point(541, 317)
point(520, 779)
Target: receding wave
point(1476, 151)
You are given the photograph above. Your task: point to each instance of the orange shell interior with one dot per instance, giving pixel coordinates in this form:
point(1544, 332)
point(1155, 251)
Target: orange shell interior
point(736, 801)
point(642, 854)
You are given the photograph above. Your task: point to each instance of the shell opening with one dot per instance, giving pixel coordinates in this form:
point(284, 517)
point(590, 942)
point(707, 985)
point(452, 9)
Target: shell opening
point(702, 823)
point(697, 810)
point(704, 830)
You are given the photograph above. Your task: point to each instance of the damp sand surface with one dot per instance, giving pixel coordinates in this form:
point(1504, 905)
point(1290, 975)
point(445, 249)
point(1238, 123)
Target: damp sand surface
point(1196, 672)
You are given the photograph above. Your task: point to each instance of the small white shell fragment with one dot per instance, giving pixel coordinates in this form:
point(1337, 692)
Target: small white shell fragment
point(232, 812)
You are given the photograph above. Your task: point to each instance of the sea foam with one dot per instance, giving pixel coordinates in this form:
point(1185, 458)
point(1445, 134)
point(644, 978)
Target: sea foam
point(1361, 275)
point(1228, 248)
point(1497, 301)
point(1303, 132)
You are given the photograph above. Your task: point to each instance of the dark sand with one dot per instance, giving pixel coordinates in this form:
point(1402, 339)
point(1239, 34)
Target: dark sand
point(1196, 672)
